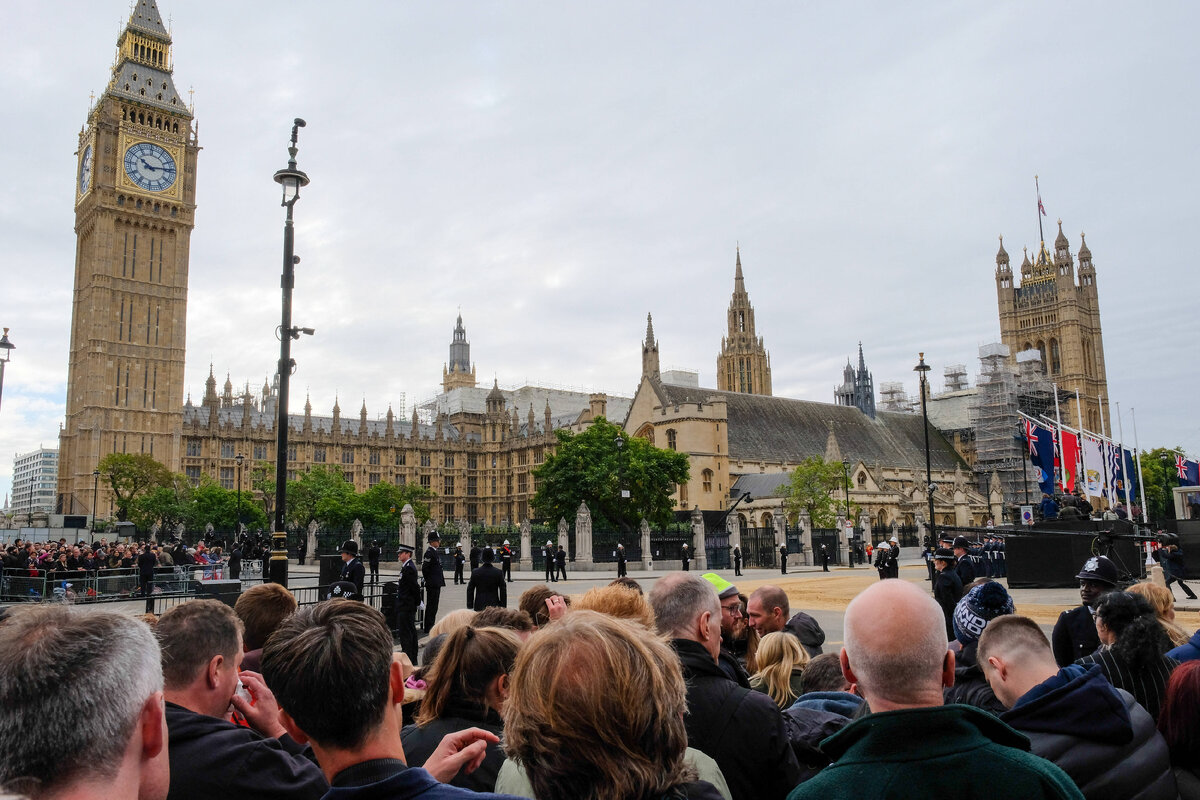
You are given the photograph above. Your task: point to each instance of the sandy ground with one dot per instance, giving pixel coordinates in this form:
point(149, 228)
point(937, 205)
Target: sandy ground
point(832, 591)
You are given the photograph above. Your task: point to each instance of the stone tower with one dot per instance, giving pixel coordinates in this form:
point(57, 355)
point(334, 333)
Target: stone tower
point(459, 371)
point(135, 191)
point(650, 351)
point(858, 387)
point(1052, 312)
point(744, 365)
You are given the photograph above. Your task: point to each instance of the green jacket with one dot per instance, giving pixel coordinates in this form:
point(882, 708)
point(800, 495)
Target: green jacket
point(945, 751)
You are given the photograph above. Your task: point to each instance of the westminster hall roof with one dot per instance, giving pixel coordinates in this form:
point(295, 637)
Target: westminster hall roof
point(780, 429)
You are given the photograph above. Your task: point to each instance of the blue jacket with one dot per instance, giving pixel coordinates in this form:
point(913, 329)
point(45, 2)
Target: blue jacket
point(387, 779)
point(1189, 651)
point(1099, 735)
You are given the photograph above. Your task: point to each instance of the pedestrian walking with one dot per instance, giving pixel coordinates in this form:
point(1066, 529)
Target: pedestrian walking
point(1171, 558)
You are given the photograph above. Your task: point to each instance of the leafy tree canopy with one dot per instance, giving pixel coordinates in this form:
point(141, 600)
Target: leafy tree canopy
point(323, 494)
point(589, 468)
point(1160, 477)
point(196, 507)
point(815, 486)
point(131, 475)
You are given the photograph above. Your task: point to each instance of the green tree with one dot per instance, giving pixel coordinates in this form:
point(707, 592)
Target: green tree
point(166, 506)
point(262, 480)
point(131, 475)
point(589, 468)
point(815, 486)
point(380, 506)
point(322, 494)
point(1160, 477)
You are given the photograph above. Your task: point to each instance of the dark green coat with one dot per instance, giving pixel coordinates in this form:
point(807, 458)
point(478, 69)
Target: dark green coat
point(951, 751)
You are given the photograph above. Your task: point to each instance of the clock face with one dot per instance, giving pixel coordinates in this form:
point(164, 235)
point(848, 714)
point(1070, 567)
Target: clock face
point(85, 170)
point(150, 167)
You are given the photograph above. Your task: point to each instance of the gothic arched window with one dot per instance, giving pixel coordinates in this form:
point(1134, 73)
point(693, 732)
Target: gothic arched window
point(671, 439)
point(1055, 357)
point(706, 476)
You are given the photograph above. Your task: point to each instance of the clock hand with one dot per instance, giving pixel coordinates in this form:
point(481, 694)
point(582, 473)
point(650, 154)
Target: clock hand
point(148, 165)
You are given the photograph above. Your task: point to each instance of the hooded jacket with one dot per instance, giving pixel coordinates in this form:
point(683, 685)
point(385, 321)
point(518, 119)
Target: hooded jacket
point(740, 729)
point(808, 631)
point(212, 757)
point(1099, 735)
point(813, 718)
point(1187, 652)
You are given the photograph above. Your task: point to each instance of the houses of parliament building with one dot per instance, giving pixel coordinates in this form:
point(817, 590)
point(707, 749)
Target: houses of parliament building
point(475, 447)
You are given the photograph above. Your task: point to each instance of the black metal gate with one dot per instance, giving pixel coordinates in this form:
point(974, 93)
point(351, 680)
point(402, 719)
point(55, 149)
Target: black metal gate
point(829, 538)
point(758, 547)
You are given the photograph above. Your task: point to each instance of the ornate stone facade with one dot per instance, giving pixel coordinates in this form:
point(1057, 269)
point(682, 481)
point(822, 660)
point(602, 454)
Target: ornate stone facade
point(135, 207)
point(1052, 312)
point(744, 364)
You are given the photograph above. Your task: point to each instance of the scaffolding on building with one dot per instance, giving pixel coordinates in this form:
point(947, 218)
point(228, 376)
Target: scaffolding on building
point(893, 398)
point(956, 378)
point(998, 446)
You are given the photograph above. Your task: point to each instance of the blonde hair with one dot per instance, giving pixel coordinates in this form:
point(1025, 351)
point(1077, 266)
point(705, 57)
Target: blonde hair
point(588, 679)
point(622, 602)
point(459, 618)
point(778, 654)
point(1163, 602)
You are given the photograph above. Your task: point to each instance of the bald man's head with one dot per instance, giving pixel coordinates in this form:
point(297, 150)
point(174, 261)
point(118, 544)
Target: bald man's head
point(895, 647)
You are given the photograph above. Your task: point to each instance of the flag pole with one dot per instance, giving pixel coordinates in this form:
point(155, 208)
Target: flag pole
point(1105, 443)
point(1081, 468)
point(1041, 212)
point(1121, 453)
point(1138, 460)
point(1062, 454)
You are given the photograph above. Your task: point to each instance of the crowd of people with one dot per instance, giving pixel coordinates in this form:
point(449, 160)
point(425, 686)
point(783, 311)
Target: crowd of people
point(99, 556)
point(687, 689)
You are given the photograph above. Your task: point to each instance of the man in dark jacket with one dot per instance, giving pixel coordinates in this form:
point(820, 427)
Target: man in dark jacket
point(769, 611)
point(352, 566)
point(373, 553)
point(742, 730)
point(487, 586)
point(1074, 717)
point(548, 557)
point(408, 597)
point(361, 753)
point(560, 562)
point(783, 559)
point(210, 756)
point(622, 569)
point(1074, 633)
point(1171, 558)
point(435, 579)
point(911, 745)
point(147, 560)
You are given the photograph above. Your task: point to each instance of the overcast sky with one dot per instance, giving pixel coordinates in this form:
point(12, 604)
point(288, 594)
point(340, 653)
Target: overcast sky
point(557, 170)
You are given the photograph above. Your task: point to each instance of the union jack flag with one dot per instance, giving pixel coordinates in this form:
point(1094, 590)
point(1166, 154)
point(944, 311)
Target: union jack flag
point(1031, 437)
point(1181, 466)
point(1041, 207)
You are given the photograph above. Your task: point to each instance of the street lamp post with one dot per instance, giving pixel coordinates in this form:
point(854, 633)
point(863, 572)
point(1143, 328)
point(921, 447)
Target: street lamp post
point(239, 459)
point(624, 493)
point(95, 493)
point(923, 368)
point(6, 348)
point(292, 180)
point(849, 525)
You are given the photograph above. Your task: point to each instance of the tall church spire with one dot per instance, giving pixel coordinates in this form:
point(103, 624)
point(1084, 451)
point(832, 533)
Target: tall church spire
point(743, 364)
point(650, 351)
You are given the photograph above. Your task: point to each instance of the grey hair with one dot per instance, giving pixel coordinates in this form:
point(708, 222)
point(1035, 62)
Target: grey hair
point(678, 601)
point(72, 686)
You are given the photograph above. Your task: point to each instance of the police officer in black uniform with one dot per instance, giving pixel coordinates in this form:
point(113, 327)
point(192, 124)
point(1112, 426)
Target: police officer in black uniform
point(431, 569)
point(408, 598)
point(737, 560)
point(352, 566)
point(560, 562)
point(373, 553)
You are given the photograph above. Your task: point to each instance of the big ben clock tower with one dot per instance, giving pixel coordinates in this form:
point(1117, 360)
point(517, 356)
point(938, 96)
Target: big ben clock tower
point(135, 193)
